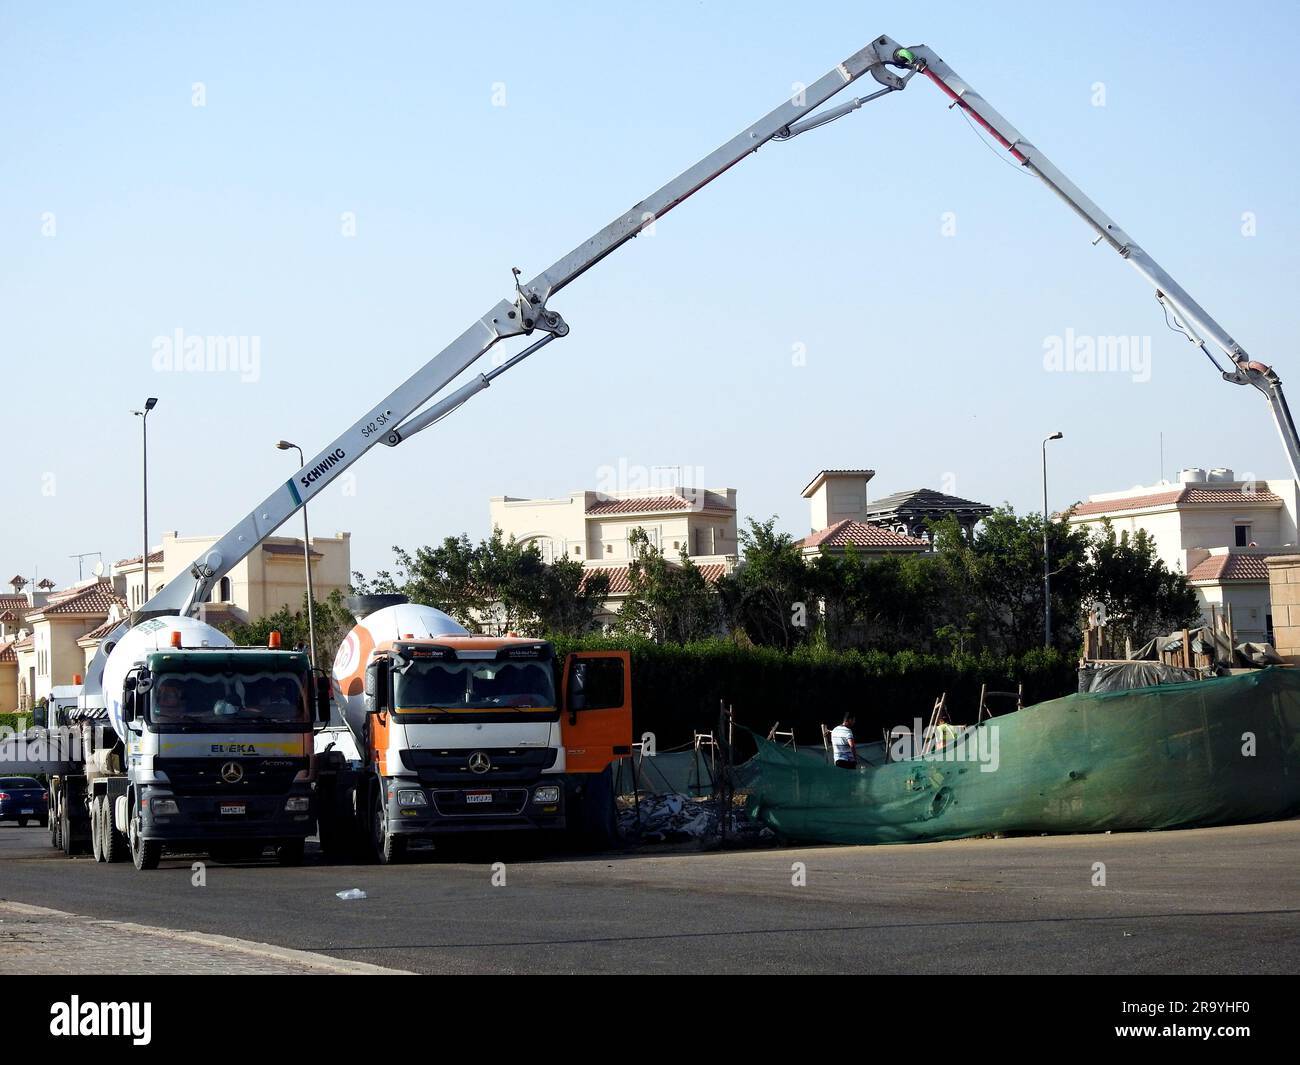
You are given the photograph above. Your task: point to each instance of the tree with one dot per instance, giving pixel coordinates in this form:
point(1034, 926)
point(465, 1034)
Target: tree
point(499, 585)
point(568, 599)
point(669, 602)
point(771, 596)
point(995, 579)
point(333, 622)
point(1140, 595)
point(887, 603)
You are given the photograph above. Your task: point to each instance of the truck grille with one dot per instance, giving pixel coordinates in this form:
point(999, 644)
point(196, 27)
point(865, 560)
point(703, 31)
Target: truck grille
point(203, 776)
point(508, 765)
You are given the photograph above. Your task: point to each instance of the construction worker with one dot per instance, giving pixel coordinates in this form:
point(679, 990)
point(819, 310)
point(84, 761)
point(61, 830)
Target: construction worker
point(944, 732)
point(844, 749)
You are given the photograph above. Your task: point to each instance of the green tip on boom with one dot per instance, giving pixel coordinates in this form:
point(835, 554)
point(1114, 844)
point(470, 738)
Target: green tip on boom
point(904, 55)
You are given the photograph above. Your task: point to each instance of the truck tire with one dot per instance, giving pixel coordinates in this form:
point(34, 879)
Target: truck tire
point(96, 827)
point(145, 853)
point(386, 848)
point(56, 823)
point(112, 842)
point(67, 837)
point(290, 852)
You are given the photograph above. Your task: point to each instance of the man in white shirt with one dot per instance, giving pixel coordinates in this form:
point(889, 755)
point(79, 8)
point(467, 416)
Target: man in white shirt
point(843, 748)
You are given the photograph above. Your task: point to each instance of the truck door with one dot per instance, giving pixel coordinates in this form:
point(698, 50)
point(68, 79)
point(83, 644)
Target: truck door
point(596, 723)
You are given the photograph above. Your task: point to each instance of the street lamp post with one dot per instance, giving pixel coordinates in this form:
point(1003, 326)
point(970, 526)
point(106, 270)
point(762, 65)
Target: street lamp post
point(1047, 568)
point(143, 415)
point(285, 445)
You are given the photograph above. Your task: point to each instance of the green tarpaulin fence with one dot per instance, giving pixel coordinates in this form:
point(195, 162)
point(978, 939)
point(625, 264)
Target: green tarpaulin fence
point(1175, 756)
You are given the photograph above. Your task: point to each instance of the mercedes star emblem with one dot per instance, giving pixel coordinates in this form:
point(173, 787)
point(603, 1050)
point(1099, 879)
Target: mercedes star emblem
point(479, 762)
point(232, 772)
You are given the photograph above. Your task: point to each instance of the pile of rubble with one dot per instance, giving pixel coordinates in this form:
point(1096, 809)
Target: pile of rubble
point(674, 818)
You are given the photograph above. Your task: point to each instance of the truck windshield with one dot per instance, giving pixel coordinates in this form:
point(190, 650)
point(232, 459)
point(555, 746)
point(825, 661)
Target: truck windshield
point(474, 685)
point(227, 701)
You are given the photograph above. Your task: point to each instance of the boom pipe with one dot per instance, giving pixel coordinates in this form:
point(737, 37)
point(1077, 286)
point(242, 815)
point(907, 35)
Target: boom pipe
point(1193, 316)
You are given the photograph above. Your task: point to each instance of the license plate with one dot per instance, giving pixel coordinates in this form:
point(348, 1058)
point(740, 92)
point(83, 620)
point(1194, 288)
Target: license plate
point(26, 810)
point(478, 796)
point(236, 809)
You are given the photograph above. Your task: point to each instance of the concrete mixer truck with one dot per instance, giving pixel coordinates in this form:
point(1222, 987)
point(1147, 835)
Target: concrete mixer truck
point(444, 732)
point(205, 747)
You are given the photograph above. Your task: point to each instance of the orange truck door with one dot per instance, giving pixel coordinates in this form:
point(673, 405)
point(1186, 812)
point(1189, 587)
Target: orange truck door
point(596, 723)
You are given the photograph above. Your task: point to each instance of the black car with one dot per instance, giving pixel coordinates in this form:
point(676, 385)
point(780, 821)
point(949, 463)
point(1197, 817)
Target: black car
point(22, 799)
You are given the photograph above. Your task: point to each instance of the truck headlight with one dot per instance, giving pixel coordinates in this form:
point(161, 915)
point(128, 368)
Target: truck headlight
point(298, 804)
point(164, 807)
point(411, 797)
point(546, 795)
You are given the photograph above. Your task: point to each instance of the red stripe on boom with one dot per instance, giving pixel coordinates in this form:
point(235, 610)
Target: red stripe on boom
point(978, 117)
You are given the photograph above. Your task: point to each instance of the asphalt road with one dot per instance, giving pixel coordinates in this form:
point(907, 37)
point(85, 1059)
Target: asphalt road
point(1223, 900)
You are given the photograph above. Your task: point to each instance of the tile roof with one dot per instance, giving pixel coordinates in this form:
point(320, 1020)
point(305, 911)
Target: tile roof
point(101, 630)
point(134, 560)
point(620, 577)
point(1183, 496)
point(860, 534)
point(25, 645)
point(13, 607)
point(1230, 566)
point(658, 504)
point(7, 652)
point(92, 599)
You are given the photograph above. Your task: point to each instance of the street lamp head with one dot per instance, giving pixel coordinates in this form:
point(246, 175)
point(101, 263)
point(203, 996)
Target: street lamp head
point(1056, 436)
point(284, 445)
point(150, 403)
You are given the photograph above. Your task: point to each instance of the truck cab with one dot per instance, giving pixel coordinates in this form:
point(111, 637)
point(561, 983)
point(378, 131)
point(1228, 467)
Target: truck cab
point(464, 733)
point(217, 754)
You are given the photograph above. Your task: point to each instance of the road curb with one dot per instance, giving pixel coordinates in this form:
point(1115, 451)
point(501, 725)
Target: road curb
point(289, 955)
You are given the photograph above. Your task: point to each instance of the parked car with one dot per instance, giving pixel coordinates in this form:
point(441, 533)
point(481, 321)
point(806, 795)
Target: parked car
point(22, 799)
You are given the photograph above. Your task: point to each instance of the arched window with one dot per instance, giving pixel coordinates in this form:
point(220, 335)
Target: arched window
point(225, 590)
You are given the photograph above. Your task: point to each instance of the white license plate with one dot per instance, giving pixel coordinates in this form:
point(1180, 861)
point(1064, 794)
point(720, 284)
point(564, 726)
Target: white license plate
point(236, 809)
point(478, 796)
point(26, 810)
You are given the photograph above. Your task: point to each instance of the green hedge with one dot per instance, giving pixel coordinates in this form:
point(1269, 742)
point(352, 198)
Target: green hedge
point(12, 719)
point(676, 688)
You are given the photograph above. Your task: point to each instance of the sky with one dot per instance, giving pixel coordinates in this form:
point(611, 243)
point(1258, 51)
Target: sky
point(348, 187)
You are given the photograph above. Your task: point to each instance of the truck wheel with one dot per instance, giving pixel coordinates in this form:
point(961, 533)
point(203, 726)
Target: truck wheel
point(55, 823)
point(290, 852)
point(387, 848)
point(96, 828)
point(145, 853)
point(112, 842)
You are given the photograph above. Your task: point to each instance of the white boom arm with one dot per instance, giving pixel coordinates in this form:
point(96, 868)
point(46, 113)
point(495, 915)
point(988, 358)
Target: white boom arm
point(387, 420)
point(1190, 318)
point(395, 417)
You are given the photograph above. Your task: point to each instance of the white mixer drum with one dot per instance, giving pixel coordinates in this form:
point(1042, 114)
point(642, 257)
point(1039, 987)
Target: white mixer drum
point(152, 635)
point(406, 620)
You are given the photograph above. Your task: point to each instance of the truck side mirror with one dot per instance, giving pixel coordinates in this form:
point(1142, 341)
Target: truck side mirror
point(377, 686)
point(322, 700)
point(128, 700)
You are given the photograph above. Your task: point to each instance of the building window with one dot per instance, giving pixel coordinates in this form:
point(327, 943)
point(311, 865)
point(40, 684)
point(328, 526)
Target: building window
point(226, 590)
point(1242, 535)
point(577, 550)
